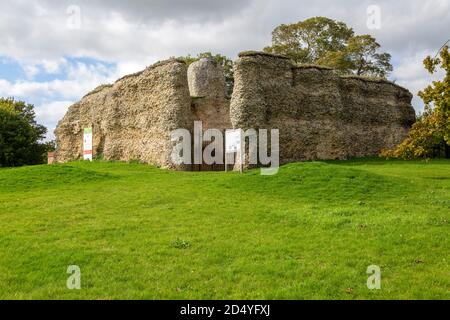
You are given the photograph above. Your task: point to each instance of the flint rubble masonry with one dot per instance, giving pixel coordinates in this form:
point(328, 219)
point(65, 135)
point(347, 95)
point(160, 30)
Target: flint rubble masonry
point(319, 114)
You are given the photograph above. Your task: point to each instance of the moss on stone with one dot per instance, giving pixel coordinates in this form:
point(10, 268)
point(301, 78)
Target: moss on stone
point(373, 80)
point(311, 66)
point(261, 53)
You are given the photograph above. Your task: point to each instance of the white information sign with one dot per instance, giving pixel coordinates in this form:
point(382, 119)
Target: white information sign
point(233, 144)
point(233, 141)
point(87, 144)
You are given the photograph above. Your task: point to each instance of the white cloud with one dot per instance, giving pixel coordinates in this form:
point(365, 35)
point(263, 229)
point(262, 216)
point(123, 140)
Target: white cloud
point(124, 68)
point(411, 74)
point(53, 66)
point(52, 98)
point(81, 78)
point(30, 71)
point(136, 33)
point(50, 113)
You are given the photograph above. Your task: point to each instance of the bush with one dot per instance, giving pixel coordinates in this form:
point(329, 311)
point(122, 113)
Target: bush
point(20, 135)
point(429, 137)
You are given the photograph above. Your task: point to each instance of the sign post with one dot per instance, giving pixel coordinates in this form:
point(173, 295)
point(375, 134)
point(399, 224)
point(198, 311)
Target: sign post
point(87, 144)
point(50, 157)
point(233, 144)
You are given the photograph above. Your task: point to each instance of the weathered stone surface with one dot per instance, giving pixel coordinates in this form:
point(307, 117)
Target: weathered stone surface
point(206, 79)
point(131, 119)
point(208, 91)
point(320, 115)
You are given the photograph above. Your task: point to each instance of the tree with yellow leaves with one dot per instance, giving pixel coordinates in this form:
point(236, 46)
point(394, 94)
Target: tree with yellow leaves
point(430, 136)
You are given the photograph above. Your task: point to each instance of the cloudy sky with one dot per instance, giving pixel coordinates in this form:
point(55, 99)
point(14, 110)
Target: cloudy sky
point(52, 52)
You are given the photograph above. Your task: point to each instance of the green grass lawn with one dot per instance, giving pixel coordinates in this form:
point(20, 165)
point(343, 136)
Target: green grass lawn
point(309, 232)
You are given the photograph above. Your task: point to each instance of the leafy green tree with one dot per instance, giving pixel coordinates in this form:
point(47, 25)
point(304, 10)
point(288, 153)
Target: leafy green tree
point(330, 43)
point(226, 63)
point(50, 146)
point(430, 135)
point(20, 134)
point(361, 52)
point(308, 41)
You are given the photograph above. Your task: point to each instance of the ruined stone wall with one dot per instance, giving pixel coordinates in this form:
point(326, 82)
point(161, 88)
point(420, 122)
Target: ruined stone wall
point(210, 104)
point(320, 115)
point(132, 118)
point(208, 92)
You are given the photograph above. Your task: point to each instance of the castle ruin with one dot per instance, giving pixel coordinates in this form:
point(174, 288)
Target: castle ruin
point(320, 115)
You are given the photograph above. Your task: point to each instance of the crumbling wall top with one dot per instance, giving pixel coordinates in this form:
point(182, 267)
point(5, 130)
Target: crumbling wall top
point(206, 79)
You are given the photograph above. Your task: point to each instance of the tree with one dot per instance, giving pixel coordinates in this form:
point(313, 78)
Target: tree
point(226, 63)
point(308, 41)
point(330, 43)
point(362, 53)
point(430, 135)
point(20, 134)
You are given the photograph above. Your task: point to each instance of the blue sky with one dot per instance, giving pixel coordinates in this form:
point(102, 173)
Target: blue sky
point(53, 52)
point(12, 70)
point(53, 86)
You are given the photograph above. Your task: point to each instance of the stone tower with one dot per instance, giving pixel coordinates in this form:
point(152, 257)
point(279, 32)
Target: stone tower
point(207, 88)
point(206, 79)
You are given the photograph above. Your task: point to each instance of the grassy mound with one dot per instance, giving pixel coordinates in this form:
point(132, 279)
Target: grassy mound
point(309, 232)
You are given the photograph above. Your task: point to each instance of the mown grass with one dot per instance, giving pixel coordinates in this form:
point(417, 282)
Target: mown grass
point(309, 232)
